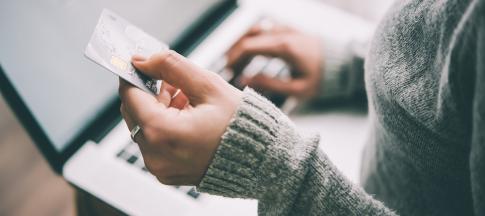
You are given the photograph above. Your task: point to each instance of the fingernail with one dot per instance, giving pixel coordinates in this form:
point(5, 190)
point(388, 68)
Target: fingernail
point(137, 58)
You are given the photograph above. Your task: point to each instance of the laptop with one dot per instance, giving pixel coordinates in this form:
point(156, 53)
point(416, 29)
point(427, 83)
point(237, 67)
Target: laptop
point(70, 108)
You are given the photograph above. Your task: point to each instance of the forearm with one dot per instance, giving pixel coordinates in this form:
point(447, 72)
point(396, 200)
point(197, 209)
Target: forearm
point(262, 156)
point(325, 191)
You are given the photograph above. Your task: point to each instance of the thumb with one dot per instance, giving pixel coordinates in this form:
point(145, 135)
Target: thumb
point(178, 71)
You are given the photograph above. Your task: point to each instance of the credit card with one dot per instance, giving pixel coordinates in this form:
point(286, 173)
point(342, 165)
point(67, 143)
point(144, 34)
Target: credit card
point(115, 41)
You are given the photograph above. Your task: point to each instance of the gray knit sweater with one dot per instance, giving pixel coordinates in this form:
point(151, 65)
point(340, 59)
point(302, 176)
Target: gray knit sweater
point(425, 79)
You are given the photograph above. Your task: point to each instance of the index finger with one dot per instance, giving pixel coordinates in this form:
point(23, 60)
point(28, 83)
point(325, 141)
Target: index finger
point(269, 44)
point(139, 104)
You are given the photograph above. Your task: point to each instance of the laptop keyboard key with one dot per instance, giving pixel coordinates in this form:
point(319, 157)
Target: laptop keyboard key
point(132, 159)
point(193, 193)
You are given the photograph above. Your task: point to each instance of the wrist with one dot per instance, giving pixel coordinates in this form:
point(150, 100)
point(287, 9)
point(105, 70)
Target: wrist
point(234, 168)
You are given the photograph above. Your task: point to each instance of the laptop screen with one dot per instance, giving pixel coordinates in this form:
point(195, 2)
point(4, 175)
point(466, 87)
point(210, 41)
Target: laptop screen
point(42, 45)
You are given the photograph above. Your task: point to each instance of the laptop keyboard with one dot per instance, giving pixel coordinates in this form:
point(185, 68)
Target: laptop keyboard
point(271, 67)
point(132, 155)
point(268, 66)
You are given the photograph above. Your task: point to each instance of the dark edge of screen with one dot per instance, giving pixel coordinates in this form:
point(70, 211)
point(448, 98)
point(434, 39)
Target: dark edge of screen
point(105, 121)
point(198, 31)
point(23, 114)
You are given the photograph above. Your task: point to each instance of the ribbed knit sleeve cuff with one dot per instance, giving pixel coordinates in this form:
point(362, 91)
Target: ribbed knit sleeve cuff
point(335, 59)
point(233, 171)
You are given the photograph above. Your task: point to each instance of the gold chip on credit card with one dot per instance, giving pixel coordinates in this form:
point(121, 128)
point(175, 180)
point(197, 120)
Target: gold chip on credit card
point(114, 41)
point(118, 63)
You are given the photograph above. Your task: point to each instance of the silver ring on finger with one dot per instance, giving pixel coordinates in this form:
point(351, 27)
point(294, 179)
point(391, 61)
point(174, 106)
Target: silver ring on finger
point(134, 132)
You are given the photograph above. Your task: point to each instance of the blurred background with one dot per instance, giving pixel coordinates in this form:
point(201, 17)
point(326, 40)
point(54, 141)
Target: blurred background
point(29, 187)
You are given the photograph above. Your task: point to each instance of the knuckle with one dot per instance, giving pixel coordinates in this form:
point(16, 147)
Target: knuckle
point(304, 90)
point(151, 137)
point(172, 58)
point(120, 92)
point(154, 135)
point(123, 112)
point(244, 46)
point(165, 177)
point(284, 44)
point(151, 168)
point(166, 180)
point(166, 61)
point(155, 167)
point(164, 58)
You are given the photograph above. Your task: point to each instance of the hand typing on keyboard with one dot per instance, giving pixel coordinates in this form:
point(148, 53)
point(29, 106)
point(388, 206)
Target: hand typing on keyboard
point(301, 51)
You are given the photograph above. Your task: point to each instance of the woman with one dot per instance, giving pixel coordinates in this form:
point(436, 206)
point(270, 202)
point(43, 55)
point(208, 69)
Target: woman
point(425, 78)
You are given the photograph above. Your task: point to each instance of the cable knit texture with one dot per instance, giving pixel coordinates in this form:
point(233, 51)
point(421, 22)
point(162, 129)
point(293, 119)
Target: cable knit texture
point(425, 79)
